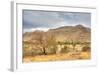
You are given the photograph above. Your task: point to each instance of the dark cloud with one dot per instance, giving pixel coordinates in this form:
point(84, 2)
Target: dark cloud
point(46, 19)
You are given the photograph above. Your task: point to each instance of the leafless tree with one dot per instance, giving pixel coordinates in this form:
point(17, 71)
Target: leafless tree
point(46, 41)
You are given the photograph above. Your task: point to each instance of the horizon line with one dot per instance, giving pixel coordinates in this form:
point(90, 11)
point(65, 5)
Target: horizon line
point(47, 29)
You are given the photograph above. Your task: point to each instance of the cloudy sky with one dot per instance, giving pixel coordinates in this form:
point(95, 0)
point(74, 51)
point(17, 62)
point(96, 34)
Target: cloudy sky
point(44, 20)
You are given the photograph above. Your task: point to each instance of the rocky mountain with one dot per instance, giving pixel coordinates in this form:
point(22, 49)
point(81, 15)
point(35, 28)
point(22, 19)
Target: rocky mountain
point(78, 33)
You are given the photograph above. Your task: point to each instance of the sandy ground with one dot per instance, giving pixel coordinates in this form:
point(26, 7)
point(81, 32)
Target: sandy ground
point(58, 57)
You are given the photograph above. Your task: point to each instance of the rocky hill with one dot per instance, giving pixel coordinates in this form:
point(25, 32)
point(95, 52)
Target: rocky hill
point(66, 33)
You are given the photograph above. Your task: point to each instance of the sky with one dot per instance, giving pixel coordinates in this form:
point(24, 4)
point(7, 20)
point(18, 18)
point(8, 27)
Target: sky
point(45, 20)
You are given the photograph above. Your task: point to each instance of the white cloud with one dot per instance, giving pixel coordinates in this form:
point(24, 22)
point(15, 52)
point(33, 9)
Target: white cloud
point(34, 29)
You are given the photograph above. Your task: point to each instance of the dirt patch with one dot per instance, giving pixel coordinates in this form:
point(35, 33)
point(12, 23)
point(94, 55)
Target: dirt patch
point(58, 57)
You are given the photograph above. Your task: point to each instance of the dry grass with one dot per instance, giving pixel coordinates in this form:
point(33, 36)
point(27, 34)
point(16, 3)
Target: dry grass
point(58, 57)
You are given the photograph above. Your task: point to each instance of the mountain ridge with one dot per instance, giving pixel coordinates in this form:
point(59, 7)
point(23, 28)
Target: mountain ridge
point(66, 33)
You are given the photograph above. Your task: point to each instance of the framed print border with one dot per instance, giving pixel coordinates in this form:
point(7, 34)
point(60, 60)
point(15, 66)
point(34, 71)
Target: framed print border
point(16, 36)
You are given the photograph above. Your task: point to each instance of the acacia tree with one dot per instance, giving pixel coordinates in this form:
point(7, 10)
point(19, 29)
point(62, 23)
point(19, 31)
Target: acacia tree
point(41, 39)
point(46, 41)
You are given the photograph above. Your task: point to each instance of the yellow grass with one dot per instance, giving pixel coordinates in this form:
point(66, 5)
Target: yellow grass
point(58, 57)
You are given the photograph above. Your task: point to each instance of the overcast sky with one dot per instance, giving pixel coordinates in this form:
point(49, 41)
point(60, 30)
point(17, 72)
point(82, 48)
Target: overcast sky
point(44, 20)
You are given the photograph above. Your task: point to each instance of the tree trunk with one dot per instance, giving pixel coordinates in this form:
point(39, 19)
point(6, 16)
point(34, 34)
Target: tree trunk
point(74, 47)
point(44, 51)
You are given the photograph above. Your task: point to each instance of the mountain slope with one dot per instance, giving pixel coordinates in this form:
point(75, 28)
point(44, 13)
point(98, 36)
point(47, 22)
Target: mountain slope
point(67, 33)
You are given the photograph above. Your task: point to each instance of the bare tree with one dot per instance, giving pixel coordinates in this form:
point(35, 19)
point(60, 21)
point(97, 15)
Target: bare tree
point(42, 40)
point(46, 40)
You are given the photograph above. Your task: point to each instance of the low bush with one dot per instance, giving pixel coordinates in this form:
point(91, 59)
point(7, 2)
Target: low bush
point(50, 51)
point(65, 50)
point(86, 48)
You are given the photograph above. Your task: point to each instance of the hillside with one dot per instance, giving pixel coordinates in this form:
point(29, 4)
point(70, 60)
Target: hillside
point(66, 33)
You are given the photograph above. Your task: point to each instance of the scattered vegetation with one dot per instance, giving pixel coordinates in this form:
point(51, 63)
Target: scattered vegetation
point(64, 43)
point(51, 48)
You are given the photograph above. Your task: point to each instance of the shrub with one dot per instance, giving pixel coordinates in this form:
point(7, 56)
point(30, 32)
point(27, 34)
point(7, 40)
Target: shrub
point(86, 48)
point(36, 52)
point(50, 50)
point(65, 49)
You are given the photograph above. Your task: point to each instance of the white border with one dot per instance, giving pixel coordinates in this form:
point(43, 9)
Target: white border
point(17, 40)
